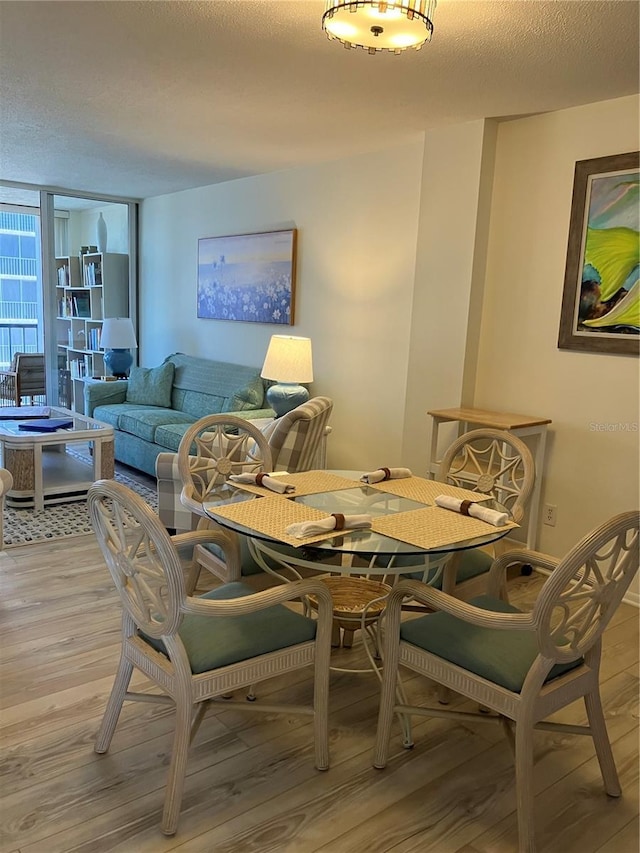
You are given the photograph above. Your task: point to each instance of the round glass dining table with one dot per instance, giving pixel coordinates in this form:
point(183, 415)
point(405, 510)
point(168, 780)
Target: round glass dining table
point(384, 553)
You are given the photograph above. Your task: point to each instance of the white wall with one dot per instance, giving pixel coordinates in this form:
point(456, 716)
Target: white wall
point(83, 227)
point(590, 474)
point(443, 331)
point(357, 223)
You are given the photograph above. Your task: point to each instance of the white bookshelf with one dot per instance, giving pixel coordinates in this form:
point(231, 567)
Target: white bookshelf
point(89, 288)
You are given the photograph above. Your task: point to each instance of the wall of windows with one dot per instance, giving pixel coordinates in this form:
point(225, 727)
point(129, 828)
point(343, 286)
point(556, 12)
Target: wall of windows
point(20, 303)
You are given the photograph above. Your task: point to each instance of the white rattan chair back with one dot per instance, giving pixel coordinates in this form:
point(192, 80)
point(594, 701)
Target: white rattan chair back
point(581, 595)
point(140, 556)
point(214, 448)
point(494, 462)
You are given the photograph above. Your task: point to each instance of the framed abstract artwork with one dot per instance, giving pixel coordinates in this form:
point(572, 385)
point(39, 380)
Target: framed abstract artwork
point(601, 297)
point(248, 277)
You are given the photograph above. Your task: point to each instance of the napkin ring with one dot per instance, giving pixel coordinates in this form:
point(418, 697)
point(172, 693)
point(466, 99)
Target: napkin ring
point(259, 479)
point(387, 473)
point(464, 507)
point(339, 517)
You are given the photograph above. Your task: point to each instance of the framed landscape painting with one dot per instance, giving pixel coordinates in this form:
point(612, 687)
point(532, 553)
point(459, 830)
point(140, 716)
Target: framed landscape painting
point(249, 277)
point(601, 297)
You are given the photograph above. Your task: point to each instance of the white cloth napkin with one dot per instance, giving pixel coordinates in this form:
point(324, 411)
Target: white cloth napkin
point(337, 521)
point(264, 480)
point(381, 474)
point(491, 516)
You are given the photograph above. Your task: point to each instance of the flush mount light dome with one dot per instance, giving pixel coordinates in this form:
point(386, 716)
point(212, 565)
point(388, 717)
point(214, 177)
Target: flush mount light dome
point(376, 26)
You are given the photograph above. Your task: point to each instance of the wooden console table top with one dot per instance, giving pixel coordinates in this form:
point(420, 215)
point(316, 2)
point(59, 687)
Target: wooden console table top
point(495, 420)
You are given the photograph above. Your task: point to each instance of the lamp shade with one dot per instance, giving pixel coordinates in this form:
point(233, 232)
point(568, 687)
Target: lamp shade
point(288, 359)
point(118, 333)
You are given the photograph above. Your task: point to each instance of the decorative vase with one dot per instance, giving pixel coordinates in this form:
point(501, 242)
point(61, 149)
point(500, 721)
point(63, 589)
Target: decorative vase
point(101, 234)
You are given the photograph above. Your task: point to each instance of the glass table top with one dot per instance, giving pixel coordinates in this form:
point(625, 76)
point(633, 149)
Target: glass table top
point(355, 501)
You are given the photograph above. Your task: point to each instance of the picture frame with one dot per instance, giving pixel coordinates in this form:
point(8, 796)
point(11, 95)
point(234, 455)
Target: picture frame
point(601, 297)
point(248, 277)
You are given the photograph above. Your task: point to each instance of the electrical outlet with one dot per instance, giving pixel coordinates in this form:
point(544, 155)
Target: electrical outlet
point(549, 514)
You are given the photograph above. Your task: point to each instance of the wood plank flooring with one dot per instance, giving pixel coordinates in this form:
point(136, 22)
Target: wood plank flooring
point(251, 783)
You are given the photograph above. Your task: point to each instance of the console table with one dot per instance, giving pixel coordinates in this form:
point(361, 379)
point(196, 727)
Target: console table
point(520, 425)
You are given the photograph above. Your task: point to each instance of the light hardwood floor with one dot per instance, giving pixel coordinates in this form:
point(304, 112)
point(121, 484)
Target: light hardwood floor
point(251, 784)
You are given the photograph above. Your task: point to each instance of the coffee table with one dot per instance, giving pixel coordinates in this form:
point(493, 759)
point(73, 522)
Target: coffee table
point(43, 472)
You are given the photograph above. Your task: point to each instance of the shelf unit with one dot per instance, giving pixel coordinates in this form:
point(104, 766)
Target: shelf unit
point(89, 288)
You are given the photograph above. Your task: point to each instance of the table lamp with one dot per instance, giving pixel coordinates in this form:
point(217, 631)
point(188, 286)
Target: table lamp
point(117, 339)
point(288, 361)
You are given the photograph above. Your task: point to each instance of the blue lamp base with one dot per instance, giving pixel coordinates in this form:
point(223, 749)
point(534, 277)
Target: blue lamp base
point(285, 396)
point(118, 361)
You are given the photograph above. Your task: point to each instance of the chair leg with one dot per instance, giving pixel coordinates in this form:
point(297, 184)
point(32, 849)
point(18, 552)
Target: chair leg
point(114, 706)
point(524, 786)
point(321, 707)
point(335, 635)
point(601, 742)
point(387, 702)
point(178, 766)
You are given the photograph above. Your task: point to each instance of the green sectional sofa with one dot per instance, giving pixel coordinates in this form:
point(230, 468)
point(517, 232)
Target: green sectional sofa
point(152, 410)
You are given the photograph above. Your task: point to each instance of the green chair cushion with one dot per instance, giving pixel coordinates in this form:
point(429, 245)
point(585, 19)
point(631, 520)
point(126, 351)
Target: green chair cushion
point(214, 642)
point(471, 564)
point(503, 657)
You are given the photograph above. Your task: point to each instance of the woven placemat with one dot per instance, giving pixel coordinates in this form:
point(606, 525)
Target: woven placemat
point(306, 483)
point(272, 515)
point(434, 527)
point(426, 491)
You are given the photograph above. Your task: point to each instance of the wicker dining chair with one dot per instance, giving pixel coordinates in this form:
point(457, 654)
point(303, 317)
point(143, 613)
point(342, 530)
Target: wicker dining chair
point(522, 666)
point(211, 450)
point(199, 649)
point(499, 464)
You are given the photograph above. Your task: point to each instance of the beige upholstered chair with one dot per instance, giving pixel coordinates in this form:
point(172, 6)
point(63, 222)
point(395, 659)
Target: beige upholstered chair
point(497, 463)
point(297, 439)
point(25, 379)
point(522, 666)
point(198, 649)
point(6, 482)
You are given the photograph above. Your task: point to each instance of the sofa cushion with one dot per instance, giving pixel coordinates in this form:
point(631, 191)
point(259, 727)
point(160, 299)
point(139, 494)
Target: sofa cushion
point(112, 412)
point(144, 421)
point(205, 387)
point(169, 435)
point(151, 386)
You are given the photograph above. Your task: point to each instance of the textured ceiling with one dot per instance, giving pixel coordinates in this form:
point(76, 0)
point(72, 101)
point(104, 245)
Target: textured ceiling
point(143, 98)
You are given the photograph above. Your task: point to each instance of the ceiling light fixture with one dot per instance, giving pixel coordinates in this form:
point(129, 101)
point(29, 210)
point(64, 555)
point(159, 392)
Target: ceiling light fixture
point(375, 25)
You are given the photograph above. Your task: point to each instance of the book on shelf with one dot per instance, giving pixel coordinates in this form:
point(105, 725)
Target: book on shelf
point(94, 338)
point(82, 305)
point(93, 274)
point(63, 275)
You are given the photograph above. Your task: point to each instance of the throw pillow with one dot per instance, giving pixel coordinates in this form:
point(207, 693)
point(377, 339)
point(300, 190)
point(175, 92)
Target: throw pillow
point(151, 386)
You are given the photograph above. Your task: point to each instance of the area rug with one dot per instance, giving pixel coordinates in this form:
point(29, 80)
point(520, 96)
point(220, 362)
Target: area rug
point(22, 526)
